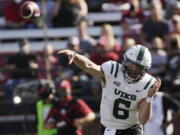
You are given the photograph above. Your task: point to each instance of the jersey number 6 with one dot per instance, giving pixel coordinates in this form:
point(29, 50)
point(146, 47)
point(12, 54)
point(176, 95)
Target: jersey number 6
point(118, 112)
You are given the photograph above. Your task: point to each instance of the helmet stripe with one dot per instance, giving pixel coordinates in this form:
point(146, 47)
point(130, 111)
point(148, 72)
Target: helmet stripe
point(141, 54)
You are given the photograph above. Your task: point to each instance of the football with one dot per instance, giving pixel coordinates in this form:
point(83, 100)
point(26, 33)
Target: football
point(29, 10)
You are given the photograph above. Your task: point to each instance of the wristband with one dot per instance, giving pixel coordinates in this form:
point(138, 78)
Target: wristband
point(149, 99)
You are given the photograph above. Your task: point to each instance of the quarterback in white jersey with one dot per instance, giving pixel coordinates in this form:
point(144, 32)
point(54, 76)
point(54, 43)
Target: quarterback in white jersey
point(119, 105)
point(127, 92)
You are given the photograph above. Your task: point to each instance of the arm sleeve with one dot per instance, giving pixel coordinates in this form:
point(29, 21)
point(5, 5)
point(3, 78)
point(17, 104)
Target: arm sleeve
point(84, 109)
point(108, 68)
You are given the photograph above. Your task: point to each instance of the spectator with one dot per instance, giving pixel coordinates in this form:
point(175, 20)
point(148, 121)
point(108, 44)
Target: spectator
point(48, 64)
point(165, 111)
point(108, 40)
point(159, 58)
point(175, 24)
point(129, 42)
point(22, 65)
point(176, 10)
point(132, 20)
point(12, 15)
point(74, 43)
point(171, 8)
point(69, 13)
point(145, 4)
point(173, 58)
point(107, 48)
point(43, 106)
point(100, 55)
point(155, 26)
point(70, 114)
point(133, 16)
point(86, 42)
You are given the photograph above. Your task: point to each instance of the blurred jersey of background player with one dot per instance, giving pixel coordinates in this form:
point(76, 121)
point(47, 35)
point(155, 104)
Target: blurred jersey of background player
point(69, 114)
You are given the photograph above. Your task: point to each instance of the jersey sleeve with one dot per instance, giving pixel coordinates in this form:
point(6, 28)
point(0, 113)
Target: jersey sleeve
point(110, 68)
point(149, 83)
point(84, 109)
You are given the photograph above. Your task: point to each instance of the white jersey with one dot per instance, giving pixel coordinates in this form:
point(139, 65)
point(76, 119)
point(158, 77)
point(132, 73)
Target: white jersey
point(119, 103)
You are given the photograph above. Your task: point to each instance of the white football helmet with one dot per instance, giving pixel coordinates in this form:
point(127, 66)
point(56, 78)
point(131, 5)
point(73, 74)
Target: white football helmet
point(139, 56)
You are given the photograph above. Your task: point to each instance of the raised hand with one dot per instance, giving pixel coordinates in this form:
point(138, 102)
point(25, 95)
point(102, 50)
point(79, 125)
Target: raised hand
point(69, 53)
point(152, 91)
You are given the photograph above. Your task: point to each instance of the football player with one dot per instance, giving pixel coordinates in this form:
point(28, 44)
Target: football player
point(128, 89)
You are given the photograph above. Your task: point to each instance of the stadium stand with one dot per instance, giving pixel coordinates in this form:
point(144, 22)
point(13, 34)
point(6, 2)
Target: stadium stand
point(94, 31)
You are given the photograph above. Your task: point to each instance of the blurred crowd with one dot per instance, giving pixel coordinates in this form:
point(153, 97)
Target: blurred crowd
point(153, 23)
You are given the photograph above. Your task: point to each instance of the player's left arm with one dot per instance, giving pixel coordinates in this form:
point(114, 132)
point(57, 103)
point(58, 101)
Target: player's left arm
point(88, 113)
point(145, 106)
point(86, 119)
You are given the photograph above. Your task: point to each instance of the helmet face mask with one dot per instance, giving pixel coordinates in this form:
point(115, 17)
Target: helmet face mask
point(136, 62)
point(133, 72)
